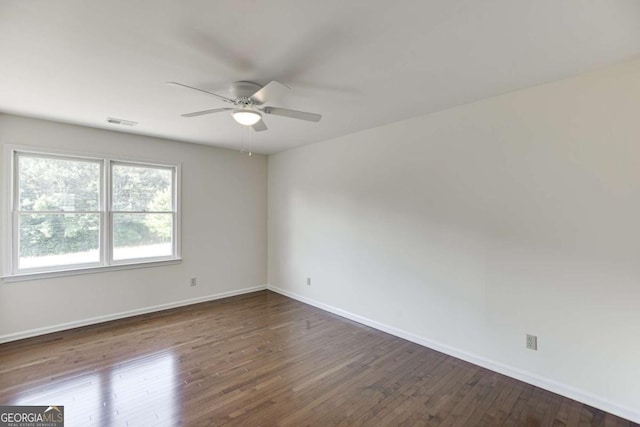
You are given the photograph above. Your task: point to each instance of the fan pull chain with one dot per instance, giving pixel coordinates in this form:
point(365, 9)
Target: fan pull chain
point(246, 140)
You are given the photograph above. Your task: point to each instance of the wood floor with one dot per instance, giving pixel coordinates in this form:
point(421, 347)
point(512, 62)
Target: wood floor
point(262, 359)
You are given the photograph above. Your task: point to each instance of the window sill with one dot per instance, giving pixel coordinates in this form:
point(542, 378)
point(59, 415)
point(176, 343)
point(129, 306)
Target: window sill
point(89, 270)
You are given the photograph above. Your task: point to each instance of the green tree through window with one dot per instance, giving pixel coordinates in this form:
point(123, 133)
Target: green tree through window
point(61, 216)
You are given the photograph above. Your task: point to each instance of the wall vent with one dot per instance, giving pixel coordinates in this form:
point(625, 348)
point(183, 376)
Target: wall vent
point(121, 122)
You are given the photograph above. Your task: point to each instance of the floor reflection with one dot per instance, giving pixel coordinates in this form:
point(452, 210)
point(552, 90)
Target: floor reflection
point(138, 392)
point(81, 398)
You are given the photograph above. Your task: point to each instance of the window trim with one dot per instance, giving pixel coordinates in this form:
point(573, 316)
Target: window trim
point(10, 269)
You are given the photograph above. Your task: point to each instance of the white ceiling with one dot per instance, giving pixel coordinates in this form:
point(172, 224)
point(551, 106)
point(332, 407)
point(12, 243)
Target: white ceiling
point(360, 63)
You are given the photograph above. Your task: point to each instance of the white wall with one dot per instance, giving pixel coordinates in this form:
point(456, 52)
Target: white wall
point(469, 228)
point(224, 233)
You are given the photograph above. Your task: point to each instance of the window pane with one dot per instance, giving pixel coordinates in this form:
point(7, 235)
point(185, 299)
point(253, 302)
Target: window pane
point(140, 235)
point(140, 188)
point(58, 239)
point(51, 184)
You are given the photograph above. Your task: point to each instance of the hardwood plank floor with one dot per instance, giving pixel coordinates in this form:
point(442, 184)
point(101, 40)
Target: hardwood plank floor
point(263, 359)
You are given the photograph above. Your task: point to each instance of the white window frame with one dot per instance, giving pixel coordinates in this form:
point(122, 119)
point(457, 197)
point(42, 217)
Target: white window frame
point(11, 272)
point(111, 212)
point(16, 213)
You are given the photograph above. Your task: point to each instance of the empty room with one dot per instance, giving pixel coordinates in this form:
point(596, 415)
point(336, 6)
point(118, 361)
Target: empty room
point(330, 213)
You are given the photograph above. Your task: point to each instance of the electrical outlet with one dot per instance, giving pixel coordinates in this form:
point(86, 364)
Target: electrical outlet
point(308, 281)
point(193, 282)
point(532, 342)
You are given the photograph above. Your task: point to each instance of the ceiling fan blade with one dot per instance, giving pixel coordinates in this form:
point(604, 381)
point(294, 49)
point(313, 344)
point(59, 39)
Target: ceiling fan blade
point(293, 114)
point(260, 126)
point(202, 113)
point(224, 98)
point(267, 92)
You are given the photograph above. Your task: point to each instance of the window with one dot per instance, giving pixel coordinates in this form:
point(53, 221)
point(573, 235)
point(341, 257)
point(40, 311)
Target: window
point(76, 212)
point(142, 211)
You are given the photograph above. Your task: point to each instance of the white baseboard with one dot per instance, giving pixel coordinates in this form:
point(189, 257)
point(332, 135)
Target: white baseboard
point(510, 371)
point(100, 319)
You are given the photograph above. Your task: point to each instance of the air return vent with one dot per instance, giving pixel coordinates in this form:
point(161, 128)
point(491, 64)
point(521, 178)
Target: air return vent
point(121, 122)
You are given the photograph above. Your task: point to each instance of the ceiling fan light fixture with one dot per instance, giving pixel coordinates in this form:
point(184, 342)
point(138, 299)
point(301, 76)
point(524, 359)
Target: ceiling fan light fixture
point(246, 116)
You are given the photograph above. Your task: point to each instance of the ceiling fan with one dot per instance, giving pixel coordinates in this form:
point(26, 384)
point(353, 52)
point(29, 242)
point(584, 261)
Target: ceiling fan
point(248, 104)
